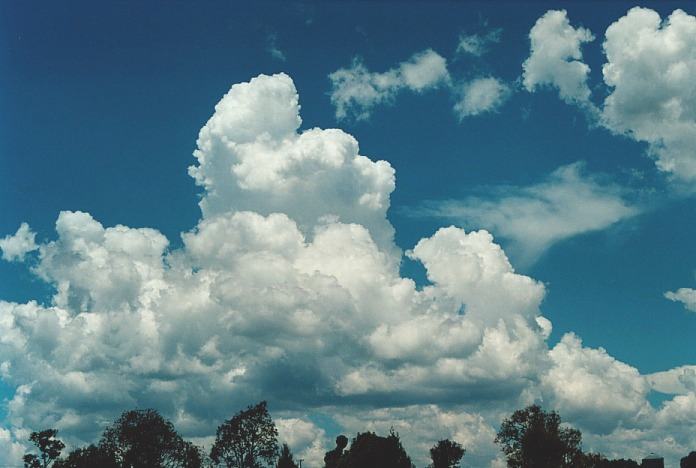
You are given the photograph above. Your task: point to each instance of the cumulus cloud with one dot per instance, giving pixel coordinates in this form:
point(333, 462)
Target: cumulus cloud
point(650, 66)
point(356, 90)
point(481, 95)
point(15, 247)
point(686, 296)
point(288, 289)
point(478, 44)
point(648, 70)
point(555, 58)
point(568, 203)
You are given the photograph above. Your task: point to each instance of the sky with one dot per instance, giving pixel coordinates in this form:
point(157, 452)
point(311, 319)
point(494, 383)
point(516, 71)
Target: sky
point(419, 215)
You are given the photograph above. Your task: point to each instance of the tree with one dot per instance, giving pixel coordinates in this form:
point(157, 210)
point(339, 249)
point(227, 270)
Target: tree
point(88, 457)
point(533, 438)
point(246, 439)
point(688, 461)
point(144, 439)
point(596, 460)
point(446, 454)
point(285, 460)
point(49, 449)
point(369, 450)
point(332, 458)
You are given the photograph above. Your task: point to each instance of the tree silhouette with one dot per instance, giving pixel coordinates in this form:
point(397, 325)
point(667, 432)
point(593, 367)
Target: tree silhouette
point(285, 460)
point(144, 439)
point(88, 457)
point(596, 460)
point(688, 461)
point(446, 454)
point(49, 449)
point(246, 439)
point(369, 450)
point(333, 457)
point(533, 438)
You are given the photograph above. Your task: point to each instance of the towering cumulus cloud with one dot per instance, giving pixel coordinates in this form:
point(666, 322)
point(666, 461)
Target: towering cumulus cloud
point(288, 289)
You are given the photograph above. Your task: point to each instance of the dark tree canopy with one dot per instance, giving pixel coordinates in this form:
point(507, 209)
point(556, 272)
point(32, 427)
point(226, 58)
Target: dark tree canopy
point(88, 457)
point(144, 439)
point(688, 461)
point(446, 454)
point(596, 460)
point(369, 450)
point(49, 449)
point(533, 438)
point(285, 460)
point(247, 439)
point(332, 458)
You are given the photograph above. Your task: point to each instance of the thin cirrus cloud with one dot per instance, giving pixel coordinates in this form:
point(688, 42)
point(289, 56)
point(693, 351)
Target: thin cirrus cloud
point(356, 90)
point(260, 300)
point(650, 63)
point(532, 218)
point(477, 44)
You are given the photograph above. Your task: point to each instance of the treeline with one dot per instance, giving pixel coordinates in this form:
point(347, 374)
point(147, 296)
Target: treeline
point(529, 438)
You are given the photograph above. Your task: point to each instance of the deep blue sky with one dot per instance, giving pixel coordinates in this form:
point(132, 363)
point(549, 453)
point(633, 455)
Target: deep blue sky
point(100, 105)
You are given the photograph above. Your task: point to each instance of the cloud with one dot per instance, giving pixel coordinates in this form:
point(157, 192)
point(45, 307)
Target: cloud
point(481, 95)
point(14, 248)
point(272, 47)
point(288, 289)
point(593, 389)
point(555, 58)
point(686, 296)
point(649, 69)
point(356, 90)
point(478, 44)
point(568, 203)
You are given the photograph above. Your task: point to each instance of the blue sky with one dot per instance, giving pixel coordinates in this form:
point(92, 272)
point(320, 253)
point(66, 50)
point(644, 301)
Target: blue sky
point(102, 105)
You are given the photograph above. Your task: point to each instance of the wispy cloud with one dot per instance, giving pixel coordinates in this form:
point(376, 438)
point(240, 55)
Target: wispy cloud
point(567, 203)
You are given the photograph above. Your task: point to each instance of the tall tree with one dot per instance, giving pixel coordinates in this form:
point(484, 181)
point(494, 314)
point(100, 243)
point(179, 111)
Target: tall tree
point(533, 438)
point(247, 439)
point(332, 458)
point(49, 449)
point(688, 461)
point(369, 450)
point(144, 439)
point(285, 460)
point(446, 454)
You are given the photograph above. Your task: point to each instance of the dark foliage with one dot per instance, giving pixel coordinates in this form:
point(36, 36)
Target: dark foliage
point(91, 456)
point(533, 438)
point(446, 454)
point(688, 461)
point(247, 439)
point(49, 449)
point(332, 458)
point(285, 460)
point(144, 439)
point(369, 450)
point(596, 460)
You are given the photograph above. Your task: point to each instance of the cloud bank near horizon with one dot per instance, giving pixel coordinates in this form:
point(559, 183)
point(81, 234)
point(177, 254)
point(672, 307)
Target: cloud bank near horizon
point(288, 289)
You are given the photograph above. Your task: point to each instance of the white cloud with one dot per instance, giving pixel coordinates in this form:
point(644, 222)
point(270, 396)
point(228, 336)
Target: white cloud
point(556, 57)
point(533, 218)
point(14, 248)
point(678, 381)
point(650, 68)
point(288, 289)
point(686, 296)
point(593, 389)
point(481, 95)
point(477, 44)
point(356, 90)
